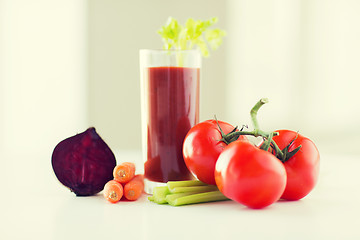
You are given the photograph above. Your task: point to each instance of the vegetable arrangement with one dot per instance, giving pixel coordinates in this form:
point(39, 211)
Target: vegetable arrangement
point(284, 166)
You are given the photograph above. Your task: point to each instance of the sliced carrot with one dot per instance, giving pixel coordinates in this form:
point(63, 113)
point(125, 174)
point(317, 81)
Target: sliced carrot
point(134, 188)
point(124, 172)
point(113, 191)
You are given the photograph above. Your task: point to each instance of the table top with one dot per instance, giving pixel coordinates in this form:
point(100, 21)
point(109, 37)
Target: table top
point(35, 205)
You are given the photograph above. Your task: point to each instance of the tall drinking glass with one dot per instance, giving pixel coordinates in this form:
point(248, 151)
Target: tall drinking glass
point(170, 107)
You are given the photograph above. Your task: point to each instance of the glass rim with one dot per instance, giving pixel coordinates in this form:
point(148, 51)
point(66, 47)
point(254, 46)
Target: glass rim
point(169, 50)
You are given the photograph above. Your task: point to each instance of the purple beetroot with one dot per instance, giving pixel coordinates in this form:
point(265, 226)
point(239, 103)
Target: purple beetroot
point(84, 163)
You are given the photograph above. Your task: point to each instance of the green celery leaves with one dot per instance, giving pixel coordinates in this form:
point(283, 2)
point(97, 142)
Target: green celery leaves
point(194, 33)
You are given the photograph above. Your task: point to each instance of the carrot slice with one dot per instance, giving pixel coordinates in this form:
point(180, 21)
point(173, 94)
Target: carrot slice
point(134, 188)
point(124, 172)
point(113, 191)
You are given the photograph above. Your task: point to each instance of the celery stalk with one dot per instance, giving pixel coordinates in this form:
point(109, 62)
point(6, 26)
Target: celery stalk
point(177, 193)
point(160, 193)
point(172, 197)
point(198, 198)
point(189, 183)
point(194, 189)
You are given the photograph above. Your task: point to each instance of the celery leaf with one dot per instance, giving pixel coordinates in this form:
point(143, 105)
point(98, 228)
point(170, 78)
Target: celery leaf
point(195, 33)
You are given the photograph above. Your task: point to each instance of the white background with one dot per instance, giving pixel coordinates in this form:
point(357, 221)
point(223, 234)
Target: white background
point(67, 65)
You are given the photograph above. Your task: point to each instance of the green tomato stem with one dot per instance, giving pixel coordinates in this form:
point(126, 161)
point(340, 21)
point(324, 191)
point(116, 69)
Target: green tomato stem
point(254, 111)
point(257, 132)
point(278, 151)
point(267, 144)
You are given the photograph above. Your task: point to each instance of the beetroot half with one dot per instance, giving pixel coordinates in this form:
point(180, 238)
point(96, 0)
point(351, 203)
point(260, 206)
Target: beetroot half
point(84, 163)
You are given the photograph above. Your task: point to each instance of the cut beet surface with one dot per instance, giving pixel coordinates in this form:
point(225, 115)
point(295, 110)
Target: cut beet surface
point(84, 163)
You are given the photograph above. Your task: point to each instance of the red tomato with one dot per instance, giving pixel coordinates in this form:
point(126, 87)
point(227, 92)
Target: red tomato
point(249, 175)
point(202, 147)
point(303, 168)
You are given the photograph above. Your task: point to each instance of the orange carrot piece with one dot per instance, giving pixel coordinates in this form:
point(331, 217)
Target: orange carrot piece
point(124, 172)
point(134, 188)
point(113, 191)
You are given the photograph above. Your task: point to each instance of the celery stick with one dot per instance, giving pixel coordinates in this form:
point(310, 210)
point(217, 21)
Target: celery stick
point(194, 189)
point(160, 193)
point(189, 183)
point(171, 197)
point(199, 198)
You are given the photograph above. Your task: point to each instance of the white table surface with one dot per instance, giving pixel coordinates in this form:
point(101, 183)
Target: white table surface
point(35, 206)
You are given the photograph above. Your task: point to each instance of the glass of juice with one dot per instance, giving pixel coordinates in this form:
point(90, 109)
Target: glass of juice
point(170, 107)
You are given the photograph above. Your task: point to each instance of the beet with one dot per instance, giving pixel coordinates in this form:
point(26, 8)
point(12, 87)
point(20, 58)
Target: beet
point(84, 163)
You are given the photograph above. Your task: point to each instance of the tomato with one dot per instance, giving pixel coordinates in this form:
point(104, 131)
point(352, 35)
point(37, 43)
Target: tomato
point(249, 175)
point(202, 147)
point(302, 169)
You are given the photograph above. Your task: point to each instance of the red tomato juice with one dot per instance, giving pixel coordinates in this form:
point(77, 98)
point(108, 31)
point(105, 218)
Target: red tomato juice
point(173, 108)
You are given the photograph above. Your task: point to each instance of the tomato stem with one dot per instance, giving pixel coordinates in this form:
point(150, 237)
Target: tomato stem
point(285, 154)
point(267, 143)
point(278, 152)
point(257, 132)
point(224, 137)
point(254, 111)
